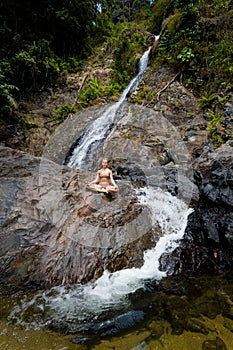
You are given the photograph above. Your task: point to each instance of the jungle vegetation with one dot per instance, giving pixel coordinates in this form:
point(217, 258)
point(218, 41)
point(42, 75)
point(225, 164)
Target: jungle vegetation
point(44, 40)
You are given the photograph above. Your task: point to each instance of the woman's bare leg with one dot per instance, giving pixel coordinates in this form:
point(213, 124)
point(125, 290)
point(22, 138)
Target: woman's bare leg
point(111, 189)
point(96, 188)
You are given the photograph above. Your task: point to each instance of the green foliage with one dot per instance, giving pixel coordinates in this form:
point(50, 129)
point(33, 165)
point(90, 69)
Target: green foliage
point(215, 128)
point(62, 113)
point(186, 55)
point(94, 90)
point(90, 94)
point(103, 29)
point(219, 4)
point(65, 24)
point(36, 64)
point(129, 47)
point(145, 93)
point(41, 41)
point(180, 33)
point(29, 123)
point(196, 39)
point(160, 11)
point(126, 10)
point(112, 89)
point(47, 39)
point(206, 100)
point(44, 40)
point(7, 101)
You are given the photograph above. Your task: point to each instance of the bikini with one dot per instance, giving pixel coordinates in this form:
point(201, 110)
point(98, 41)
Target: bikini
point(104, 185)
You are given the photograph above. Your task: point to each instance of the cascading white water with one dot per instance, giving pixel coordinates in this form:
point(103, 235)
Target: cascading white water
point(98, 129)
point(80, 303)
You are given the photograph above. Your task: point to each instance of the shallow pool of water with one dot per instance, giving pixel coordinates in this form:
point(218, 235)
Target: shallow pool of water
point(192, 314)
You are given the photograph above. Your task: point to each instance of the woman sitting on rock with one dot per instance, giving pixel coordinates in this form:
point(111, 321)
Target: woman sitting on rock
point(104, 181)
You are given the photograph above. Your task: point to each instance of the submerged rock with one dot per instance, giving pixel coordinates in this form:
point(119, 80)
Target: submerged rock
point(104, 327)
point(216, 344)
point(80, 340)
point(197, 326)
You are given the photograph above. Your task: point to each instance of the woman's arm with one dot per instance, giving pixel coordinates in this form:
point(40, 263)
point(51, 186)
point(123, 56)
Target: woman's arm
point(97, 179)
point(112, 180)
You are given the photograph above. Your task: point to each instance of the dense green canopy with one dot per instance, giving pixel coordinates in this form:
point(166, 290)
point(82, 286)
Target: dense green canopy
point(65, 24)
point(42, 40)
point(37, 38)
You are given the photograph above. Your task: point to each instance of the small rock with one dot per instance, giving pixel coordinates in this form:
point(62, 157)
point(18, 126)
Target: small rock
point(80, 340)
point(217, 344)
point(197, 326)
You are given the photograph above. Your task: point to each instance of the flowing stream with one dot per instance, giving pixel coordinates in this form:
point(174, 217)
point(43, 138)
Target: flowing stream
point(82, 304)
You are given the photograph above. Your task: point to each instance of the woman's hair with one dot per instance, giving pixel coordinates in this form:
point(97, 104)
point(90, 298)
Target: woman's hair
point(105, 160)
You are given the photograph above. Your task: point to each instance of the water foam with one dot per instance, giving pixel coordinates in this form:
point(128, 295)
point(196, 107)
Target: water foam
point(81, 303)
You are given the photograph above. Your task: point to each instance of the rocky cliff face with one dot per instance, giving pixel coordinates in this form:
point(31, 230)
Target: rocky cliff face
point(208, 241)
point(211, 224)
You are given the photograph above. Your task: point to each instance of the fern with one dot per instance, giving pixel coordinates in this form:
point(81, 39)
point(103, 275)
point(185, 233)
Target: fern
point(8, 103)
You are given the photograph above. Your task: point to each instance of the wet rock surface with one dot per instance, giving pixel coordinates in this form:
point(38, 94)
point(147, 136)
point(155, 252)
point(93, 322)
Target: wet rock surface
point(211, 224)
point(215, 175)
point(207, 245)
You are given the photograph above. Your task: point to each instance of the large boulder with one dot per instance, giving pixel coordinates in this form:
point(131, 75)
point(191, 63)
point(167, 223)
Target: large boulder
point(209, 233)
point(215, 175)
point(54, 231)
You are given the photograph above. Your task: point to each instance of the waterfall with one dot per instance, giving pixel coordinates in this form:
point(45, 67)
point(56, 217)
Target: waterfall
point(98, 129)
point(83, 303)
point(78, 305)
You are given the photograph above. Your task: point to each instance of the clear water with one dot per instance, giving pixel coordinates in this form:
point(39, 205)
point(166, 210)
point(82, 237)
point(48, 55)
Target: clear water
point(200, 317)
